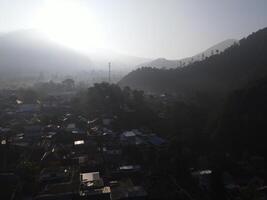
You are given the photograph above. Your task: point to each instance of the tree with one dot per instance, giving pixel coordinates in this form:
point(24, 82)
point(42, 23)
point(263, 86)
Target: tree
point(28, 96)
point(203, 56)
point(69, 83)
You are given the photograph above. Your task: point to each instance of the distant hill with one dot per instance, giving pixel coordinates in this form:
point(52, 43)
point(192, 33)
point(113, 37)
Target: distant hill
point(165, 63)
point(120, 63)
point(29, 53)
point(226, 71)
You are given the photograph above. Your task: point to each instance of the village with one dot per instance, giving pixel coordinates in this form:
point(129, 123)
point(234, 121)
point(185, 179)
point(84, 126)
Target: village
point(48, 151)
point(70, 157)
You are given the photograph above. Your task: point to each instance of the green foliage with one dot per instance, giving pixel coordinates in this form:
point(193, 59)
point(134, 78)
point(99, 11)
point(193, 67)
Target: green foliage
point(129, 106)
point(69, 84)
point(104, 97)
point(133, 109)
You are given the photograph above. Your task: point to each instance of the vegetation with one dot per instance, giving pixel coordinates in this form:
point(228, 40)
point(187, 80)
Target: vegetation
point(242, 124)
point(219, 101)
point(229, 70)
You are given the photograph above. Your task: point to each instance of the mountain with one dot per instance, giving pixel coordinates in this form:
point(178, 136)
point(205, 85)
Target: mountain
point(28, 53)
point(165, 63)
point(229, 70)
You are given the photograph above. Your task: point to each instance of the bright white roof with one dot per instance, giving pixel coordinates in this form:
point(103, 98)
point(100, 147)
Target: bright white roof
point(92, 176)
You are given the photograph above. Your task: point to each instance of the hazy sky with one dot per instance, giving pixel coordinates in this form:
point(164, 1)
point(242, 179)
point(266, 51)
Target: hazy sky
point(145, 28)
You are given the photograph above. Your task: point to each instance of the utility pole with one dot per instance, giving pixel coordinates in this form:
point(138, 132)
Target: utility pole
point(109, 71)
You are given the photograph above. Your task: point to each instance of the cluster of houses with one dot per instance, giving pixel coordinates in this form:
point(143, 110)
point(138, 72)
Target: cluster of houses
point(48, 152)
point(71, 156)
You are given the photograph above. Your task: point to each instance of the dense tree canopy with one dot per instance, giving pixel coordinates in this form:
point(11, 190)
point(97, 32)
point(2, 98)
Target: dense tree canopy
point(229, 70)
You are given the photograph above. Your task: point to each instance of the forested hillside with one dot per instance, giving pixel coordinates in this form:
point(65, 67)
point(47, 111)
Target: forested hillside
point(226, 71)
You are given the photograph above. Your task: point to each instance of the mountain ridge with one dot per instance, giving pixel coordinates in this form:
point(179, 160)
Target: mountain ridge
point(226, 71)
point(173, 63)
point(28, 52)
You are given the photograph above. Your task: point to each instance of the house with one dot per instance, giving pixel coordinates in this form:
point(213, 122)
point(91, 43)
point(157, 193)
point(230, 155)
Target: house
point(124, 171)
point(59, 183)
point(71, 127)
point(96, 194)
point(52, 158)
point(28, 108)
point(129, 168)
point(155, 140)
point(125, 189)
point(33, 131)
point(92, 187)
point(203, 177)
point(55, 175)
point(127, 134)
point(131, 138)
point(81, 160)
point(106, 121)
point(50, 135)
point(91, 180)
point(78, 142)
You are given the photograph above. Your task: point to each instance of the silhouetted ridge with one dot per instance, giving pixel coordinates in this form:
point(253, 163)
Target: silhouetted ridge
point(168, 64)
point(226, 71)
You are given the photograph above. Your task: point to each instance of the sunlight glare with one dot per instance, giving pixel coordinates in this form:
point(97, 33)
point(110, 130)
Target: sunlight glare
point(70, 24)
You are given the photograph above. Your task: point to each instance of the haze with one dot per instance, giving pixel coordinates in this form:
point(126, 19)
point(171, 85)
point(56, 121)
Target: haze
point(151, 28)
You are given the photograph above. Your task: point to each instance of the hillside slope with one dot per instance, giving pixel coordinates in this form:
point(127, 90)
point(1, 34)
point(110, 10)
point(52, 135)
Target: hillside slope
point(168, 64)
point(29, 53)
point(229, 70)
point(242, 124)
